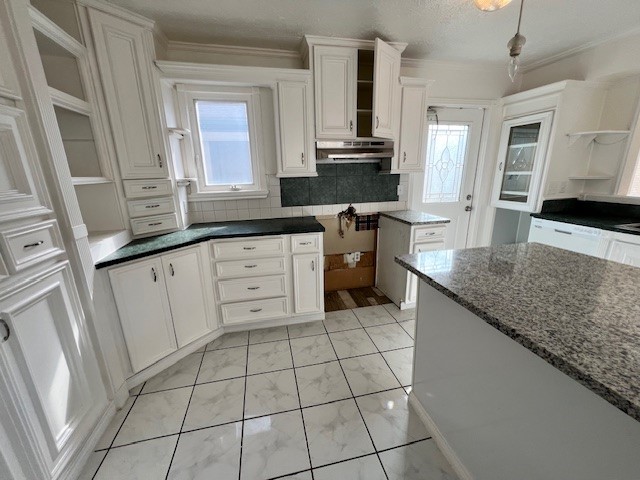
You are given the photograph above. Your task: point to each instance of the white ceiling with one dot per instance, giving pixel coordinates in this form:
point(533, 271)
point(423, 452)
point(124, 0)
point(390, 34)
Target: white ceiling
point(437, 29)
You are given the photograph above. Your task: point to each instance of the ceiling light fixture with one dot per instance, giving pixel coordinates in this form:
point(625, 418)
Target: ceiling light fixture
point(515, 48)
point(491, 5)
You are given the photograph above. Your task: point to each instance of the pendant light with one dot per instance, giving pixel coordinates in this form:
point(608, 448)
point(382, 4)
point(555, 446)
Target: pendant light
point(515, 48)
point(491, 5)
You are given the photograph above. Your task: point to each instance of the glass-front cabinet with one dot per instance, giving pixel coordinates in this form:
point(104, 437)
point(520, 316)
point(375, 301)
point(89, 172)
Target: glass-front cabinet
point(521, 158)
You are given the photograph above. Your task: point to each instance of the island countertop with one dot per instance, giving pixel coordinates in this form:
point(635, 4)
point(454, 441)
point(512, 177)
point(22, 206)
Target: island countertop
point(413, 217)
point(579, 313)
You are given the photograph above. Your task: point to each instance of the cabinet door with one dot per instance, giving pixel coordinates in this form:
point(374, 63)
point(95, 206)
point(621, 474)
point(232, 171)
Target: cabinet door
point(386, 89)
point(49, 376)
point(189, 287)
point(125, 58)
point(335, 76)
point(413, 125)
point(623, 252)
point(521, 159)
point(412, 283)
point(297, 156)
point(8, 83)
point(307, 283)
point(143, 306)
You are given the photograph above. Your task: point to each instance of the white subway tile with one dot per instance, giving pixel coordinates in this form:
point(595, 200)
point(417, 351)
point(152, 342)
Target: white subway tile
point(275, 190)
point(273, 180)
point(219, 205)
point(243, 204)
point(230, 205)
point(265, 203)
point(232, 215)
point(243, 214)
point(287, 211)
point(208, 216)
point(196, 217)
point(254, 204)
point(307, 210)
point(276, 202)
point(254, 213)
point(221, 216)
point(296, 211)
point(265, 213)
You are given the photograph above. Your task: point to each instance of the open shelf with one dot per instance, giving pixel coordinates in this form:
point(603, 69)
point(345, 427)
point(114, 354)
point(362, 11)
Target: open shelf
point(598, 136)
point(90, 180)
point(591, 177)
point(105, 243)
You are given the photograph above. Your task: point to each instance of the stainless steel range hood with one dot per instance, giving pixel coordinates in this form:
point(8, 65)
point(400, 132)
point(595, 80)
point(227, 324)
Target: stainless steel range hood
point(360, 150)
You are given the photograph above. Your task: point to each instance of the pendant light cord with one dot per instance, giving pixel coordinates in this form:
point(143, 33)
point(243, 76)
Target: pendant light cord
point(520, 16)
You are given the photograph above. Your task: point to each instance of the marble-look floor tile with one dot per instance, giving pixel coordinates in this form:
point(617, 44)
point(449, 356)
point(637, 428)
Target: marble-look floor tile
point(341, 320)
point(311, 350)
point(391, 421)
point(368, 374)
point(375, 315)
point(209, 453)
point(363, 468)
point(233, 339)
point(140, 461)
point(223, 364)
point(389, 337)
point(401, 363)
point(215, 403)
point(298, 476)
point(321, 384)
point(267, 357)
point(268, 335)
point(400, 315)
point(336, 432)
point(306, 329)
point(91, 467)
point(410, 327)
point(352, 342)
point(153, 415)
point(270, 393)
point(274, 446)
point(416, 462)
point(111, 431)
point(180, 374)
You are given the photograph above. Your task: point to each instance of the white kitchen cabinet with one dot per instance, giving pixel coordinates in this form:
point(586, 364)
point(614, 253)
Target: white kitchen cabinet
point(307, 278)
point(413, 125)
point(624, 248)
point(335, 76)
point(8, 82)
point(412, 284)
point(386, 90)
point(143, 306)
point(51, 386)
point(125, 57)
point(297, 150)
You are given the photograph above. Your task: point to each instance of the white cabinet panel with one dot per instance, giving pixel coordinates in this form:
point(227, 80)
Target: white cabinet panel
point(8, 82)
point(143, 306)
point(125, 57)
point(412, 284)
point(247, 247)
point(296, 127)
point(335, 77)
point(307, 280)
point(151, 206)
point(157, 223)
point(249, 268)
point(386, 88)
point(189, 285)
point(26, 246)
point(413, 128)
point(246, 312)
point(250, 288)
point(624, 252)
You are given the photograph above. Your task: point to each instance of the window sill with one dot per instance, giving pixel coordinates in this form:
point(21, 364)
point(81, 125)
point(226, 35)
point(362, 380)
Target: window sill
point(238, 195)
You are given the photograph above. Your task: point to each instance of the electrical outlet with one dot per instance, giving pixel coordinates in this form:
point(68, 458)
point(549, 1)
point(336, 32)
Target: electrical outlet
point(356, 256)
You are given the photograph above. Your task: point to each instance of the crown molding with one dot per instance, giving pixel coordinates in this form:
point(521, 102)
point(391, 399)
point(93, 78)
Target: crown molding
point(310, 40)
point(120, 12)
point(426, 63)
point(209, 48)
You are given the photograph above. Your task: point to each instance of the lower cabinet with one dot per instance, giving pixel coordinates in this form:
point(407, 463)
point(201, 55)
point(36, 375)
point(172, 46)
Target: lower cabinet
point(162, 303)
point(412, 284)
point(625, 252)
point(307, 277)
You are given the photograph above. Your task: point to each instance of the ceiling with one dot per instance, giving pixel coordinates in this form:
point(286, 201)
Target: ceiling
point(437, 29)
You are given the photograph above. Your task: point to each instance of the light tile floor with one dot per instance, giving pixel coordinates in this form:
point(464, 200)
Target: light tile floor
point(317, 401)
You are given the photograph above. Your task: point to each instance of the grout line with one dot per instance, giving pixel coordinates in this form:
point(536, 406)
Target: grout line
point(244, 405)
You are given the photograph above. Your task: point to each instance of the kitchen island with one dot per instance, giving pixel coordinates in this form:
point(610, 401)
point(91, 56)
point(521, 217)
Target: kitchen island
point(527, 362)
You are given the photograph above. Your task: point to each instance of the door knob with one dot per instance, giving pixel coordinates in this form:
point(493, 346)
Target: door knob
point(467, 208)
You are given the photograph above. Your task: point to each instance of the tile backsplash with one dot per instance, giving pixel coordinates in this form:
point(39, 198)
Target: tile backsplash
point(272, 206)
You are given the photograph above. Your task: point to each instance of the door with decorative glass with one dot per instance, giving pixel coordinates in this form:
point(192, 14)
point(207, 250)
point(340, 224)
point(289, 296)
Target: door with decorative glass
point(446, 188)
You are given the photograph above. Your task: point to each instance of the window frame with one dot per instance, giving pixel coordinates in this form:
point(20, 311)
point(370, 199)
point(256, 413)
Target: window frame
point(187, 96)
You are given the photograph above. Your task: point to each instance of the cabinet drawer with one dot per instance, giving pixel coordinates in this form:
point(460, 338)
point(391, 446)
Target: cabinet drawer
point(156, 223)
point(150, 206)
point(428, 246)
point(245, 312)
point(26, 246)
point(305, 243)
point(244, 268)
point(248, 248)
point(147, 188)
point(249, 288)
point(422, 234)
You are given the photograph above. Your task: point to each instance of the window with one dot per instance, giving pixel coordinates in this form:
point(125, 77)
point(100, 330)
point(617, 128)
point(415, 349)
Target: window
point(446, 153)
point(224, 153)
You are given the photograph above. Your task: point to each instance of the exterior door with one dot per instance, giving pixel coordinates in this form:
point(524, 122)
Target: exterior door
point(447, 186)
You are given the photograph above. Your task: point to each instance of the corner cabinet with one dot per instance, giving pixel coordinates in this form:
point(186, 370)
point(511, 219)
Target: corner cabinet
point(295, 114)
point(124, 52)
point(413, 125)
point(522, 156)
point(386, 90)
point(163, 303)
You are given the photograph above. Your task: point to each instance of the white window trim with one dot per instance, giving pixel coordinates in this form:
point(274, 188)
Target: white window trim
point(187, 96)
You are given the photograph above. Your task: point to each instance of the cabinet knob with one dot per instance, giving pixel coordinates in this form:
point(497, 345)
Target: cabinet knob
point(468, 208)
point(7, 330)
point(351, 125)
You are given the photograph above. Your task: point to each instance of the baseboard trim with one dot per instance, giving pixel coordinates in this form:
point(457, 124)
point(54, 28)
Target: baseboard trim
point(442, 443)
point(276, 322)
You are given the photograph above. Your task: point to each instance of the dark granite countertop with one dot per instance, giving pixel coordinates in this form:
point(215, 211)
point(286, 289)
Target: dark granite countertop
point(579, 313)
point(595, 221)
point(412, 217)
point(201, 232)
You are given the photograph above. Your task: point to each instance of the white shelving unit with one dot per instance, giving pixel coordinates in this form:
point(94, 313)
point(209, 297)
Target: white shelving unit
point(599, 136)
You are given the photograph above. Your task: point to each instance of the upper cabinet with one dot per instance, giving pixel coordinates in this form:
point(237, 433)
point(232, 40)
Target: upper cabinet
point(413, 125)
point(386, 90)
point(335, 72)
point(8, 83)
point(125, 57)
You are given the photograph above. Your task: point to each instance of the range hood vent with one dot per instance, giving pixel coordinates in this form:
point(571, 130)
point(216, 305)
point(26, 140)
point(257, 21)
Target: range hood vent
point(364, 150)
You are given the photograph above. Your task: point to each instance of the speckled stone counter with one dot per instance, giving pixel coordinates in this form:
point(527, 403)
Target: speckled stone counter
point(579, 313)
point(412, 217)
point(201, 232)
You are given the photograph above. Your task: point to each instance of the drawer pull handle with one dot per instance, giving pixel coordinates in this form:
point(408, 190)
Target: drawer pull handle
point(34, 244)
point(429, 234)
point(154, 224)
point(255, 310)
point(150, 187)
point(306, 243)
point(152, 206)
point(562, 231)
point(159, 161)
point(249, 248)
point(155, 277)
point(302, 158)
point(351, 125)
point(173, 272)
point(250, 266)
point(377, 122)
point(8, 330)
point(253, 288)
point(313, 265)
